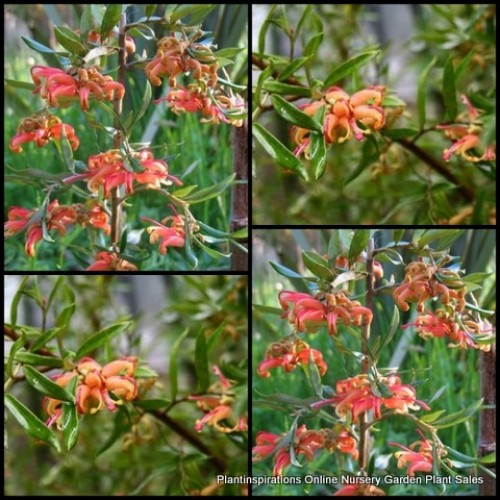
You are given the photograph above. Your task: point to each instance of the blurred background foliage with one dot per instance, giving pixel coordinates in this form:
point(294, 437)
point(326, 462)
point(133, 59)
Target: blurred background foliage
point(364, 183)
point(199, 153)
point(112, 457)
point(428, 365)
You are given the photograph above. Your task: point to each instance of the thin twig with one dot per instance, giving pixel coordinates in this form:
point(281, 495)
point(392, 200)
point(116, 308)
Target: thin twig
point(261, 64)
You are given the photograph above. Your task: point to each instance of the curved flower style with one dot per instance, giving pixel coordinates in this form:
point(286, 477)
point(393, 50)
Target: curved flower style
point(40, 129)
point(309, 313)
point(57, 217)
point(355, 395)
point(59, 87)
point(343, 114)
point(466, 137)
point(176, 57)
point(289, 354)
point(94, 385)
point(442, 324)
point(110, 261)
point(421, 283)
point(218, 407)
point(305, 443)
point(420, 460)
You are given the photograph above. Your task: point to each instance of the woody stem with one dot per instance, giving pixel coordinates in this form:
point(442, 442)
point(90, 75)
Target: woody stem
point(364, 423)
point(115, 193)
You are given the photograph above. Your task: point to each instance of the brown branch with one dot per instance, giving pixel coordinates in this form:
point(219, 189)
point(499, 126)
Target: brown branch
point(466, 191)
point(190, 437)
point(239, 202)
point(364, 424)
point(487, 424)
point(9, 332)
point(261, 64)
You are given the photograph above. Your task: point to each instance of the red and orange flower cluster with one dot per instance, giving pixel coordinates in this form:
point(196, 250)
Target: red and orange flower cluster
point(356, 395)
point(57, 217)
point(309, 313)
point(305, 442)
point(110, 261)
point(94, 386)
point(40, 129)
point(59, 87)
point(217, 405)
point(422, 282)
point(467, 137)
point(343, 116)
point(289, 353)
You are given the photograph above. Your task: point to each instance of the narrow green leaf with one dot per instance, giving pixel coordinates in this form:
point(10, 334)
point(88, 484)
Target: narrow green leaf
point(44, 339)
point(318, 154)
point(19, 85)
point(430, 417)
point(201, 363)
point(39, 47)
point(29, 358)
point(173, 364)
point(69, 40)
point(145, 103)
point(150, 9)
point(152, 404)
point(188, 242)
point(358, 244)
point(110, 19)
point(312, 46)
point(196, 12)
point(264, 75)
point(458, 417)
point(348, 67)
point(489, 459)
point(421, 92)
point(268, 309)
point(278, 151)
point(30, 421)
point(317, 265)
point(214, 337)
point(285, 271)
point(102, 336)
point(303, 18)
point(99, 52)
point(215, 254)
point(398, 235)
point(438, 234)
point(314, 376)
point(449, 90)
point(14, 348)
point(291, 68)
point(476, 277)
point(438, 393)
point(210, 192)
point(44, 385)
point(65, 316)
point(462, 66)
point(263, 30)
point(292, 114)
point(15, 302)
point(54, 291)
point(229, 51)
point(122, 425)
point(285, 89)
point(86, 21)
point(70, 425)
point(144, 372)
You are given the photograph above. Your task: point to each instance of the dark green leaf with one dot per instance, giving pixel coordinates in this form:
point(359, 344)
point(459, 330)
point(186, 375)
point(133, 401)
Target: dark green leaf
point(229, 51)
point(312, 46)
point(150, 9)
point(448, 235)
point(318, 154)
point(196, 12)
point(152, 404)
point(188, 245)
point(210, 192)
point(400, 133)
point(146, 102)
point(398, 234)
point(278, 151)
point(430, 417)
point(303, 18)
point(291, 68)
point(86, 21)
point(30, 421)
point(458, 417)
point(358, 244)
point(348, 67)
point(122, 425)
point(285, 271)
point(54, 291)
point(215, 254)
point(32, 44)
point(476, 277)
point(44, 385)
point(29, 358)
point(110, 19)
point(449, 90)
point(65, 316)
point(314, 376)
point(292, 114)
point(102, 336)
point(462, 66)
point(201, 362)
point(285, 89)
point(69, 40)
point(44, 338)
point(438, 393)
point(263, 30)
point(15, 302)
point(423, 83)
point(317, 265)
point(99, 52)
point(173, 364)
point(368, 156)
point(70, 425)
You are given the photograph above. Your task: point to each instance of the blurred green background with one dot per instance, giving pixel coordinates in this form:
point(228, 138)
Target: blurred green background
point(430, 365)
point(202, 151)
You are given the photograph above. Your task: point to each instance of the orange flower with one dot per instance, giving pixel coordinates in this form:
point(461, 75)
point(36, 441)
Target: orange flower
point(340, 439)
point(110, 261)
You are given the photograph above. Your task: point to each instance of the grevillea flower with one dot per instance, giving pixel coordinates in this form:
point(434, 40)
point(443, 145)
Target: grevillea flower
point(356, 395)
point(176, 57)
point(467, 137)
point(217, 405)
point(423, 281)
point(305, 443)
point(343, 115)
point(94, 385)
point(40, 129)
point(309, 313)
point(359, 490)
point(461, 332)
point(111, 261)
point(59, 87)
point(288, 354)
point(340, 439)
point(57, 217)
point(173, 235)
point(418, 457)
